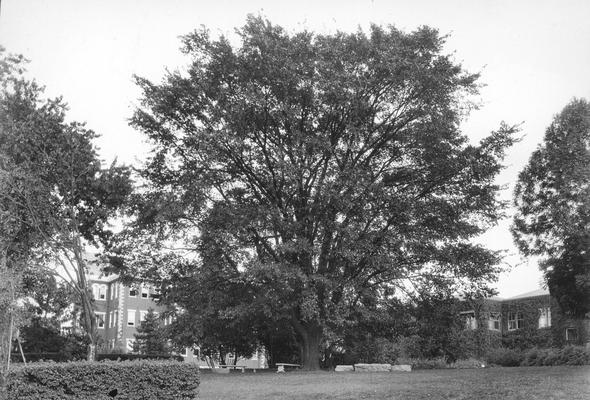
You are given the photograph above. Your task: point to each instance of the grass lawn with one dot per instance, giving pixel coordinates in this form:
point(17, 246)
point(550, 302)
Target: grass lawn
point(526, 383)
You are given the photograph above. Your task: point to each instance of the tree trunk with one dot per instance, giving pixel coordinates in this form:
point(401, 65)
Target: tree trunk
point(310, 340)
point(91, 352)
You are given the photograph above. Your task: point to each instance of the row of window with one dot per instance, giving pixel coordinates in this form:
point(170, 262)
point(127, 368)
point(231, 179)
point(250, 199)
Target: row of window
point(109, 319)
point(515, 320)
point(99, 291)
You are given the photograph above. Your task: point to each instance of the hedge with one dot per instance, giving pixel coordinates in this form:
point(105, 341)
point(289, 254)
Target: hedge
point(132, 356)
point(568, 355)
point(129, 380)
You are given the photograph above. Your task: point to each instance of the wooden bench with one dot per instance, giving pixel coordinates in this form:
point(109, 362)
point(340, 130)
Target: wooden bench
point(242, 367)
point(281, 366)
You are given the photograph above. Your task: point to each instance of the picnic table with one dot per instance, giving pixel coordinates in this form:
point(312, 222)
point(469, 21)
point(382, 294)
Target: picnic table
point(281, 366)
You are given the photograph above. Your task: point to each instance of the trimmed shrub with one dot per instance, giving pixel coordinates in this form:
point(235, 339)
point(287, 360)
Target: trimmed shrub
point(569, 355)
point(468, 363)
point(130, 380)
point(131, 356)
point(441, 363)
point(425, 363)
point(505, 357)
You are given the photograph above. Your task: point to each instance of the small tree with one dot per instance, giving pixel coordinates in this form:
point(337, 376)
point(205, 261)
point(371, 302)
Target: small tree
point(149, 339)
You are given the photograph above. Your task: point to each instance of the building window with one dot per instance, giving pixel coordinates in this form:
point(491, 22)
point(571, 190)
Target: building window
point(142, 315)
point(130, 343)
point(115, 317)
point(544, 317)
point(470, 320)
point(132, 292)
point(155, 293)
point(99, 292)
point(145, 291)
point(494, 323)
point(571, 334)
point(130, 317)
point(515, 321)
point(100, 320)
point(113, 291)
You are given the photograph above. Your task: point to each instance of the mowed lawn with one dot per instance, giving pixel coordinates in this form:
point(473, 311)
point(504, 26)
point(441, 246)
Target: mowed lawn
point(526, 383)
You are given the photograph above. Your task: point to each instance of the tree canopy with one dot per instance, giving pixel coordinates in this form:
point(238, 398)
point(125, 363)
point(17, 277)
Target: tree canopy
point(552, 198)
point(320, 173)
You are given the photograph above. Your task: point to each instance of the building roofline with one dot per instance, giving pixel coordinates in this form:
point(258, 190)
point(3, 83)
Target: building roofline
point(534, 293)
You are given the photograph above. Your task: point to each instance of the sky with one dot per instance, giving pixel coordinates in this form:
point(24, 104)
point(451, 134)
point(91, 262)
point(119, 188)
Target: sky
point(533, 56)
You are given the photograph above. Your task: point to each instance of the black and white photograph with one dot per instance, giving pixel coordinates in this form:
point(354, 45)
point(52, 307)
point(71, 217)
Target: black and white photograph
point(257, 199)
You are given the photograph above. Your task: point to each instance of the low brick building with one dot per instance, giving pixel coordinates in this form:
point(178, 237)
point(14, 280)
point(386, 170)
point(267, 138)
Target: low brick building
point(531, 319)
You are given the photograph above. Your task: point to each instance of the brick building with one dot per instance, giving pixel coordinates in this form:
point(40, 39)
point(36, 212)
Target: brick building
point(120, 309)
point(531, 319)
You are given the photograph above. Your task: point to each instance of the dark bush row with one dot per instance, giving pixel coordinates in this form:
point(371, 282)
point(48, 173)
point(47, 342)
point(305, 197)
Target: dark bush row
point(131, 357)
point(130, 380)
point(569, 355)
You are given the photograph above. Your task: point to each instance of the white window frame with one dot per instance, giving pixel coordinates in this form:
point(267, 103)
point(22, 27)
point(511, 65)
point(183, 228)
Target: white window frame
point(544, 317)
point(131, 321)
point(102, 292)
point(142, 315)
point(99, 291)
point(133, 289)
point(145, 291)
point(100, 317)
point(514, 322)
point(495, 318)
point(470, 320)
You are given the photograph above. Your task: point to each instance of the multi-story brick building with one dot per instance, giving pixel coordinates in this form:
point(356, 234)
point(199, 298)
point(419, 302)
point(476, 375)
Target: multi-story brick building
point(527, 320)
point(120, 310)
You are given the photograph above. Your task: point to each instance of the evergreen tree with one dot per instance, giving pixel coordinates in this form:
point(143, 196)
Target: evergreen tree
point(149, 339)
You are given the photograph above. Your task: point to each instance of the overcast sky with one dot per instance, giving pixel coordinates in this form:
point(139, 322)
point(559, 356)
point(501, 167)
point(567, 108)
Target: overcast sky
point(533, 55)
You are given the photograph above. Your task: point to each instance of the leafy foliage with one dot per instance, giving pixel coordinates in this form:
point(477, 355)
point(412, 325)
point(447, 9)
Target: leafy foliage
point(84, 380)
point(553, 207)
point(43, 341)
point(55, 195)
point(319, 173)
point(567, 355)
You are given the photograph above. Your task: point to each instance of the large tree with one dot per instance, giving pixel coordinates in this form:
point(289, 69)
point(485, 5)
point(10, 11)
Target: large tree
point(552, 198)
point(322, 171)
point(56, 197)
